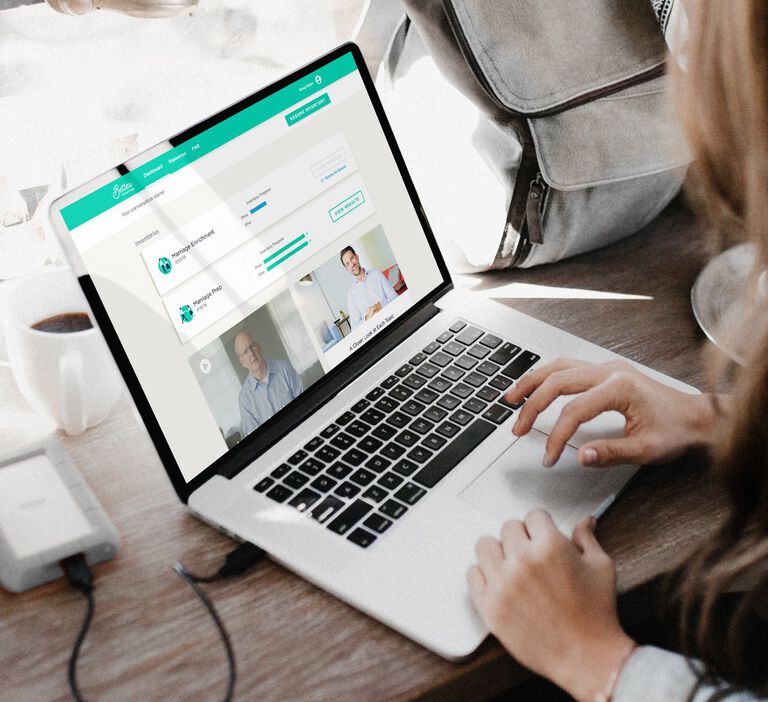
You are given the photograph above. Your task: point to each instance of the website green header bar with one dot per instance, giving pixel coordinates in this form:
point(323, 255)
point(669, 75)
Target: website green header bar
point(120, 189)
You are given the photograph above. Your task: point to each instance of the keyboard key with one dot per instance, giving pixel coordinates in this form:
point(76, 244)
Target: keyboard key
point(466, 362)
point(430, 348)
point(393, 509)
point(414, 381)
point(413, 408)
point(487, 394)
point(354, 457)
point(461, 390)
point(303, 500)
point(405, 467)
point(347, 490)
point(400, 393)
point(359, 406)
point(372, 416)
point(479, 351)
point(362, 477)
point(426, 396)
point(514, 406)
point(263, 484)
point(375, 493)
point(296, 480)
point(522, 363)
point(407, 438)
point(419, 454)
point(339, 470)
point(434, 442)
point(329, 431)
point(279, 493)
point(435, 414)
point(377, 523)
point(497, 413)
point(345, 418)
point(362, 538)
point(378, 463)
point(297, 457)
point(389, 382)
point(418, 358)
point(328, 454)
point(410, 493)
point(469, 336)
point(369, 445)
point(398, 419)
point(403, 370)
point(456, 451)
point(462, 417)
point(490, 341)
point(448, 429)
point(387, 404)
point(421, 425)
point(323, 483)
point(441, 359)
point(393, 451)
point(384, 432)
point(501, 382)
point(449, 402)
point(457, 326)
point(488, 368)
point(504, 354)
point(327, 508)
point(281, 470)
point(375, 394)
point(428, 370)
point(445, 336)
point(342, 441)
point(475, 379)
point(390, 480)
point(314, 444)
point(311, 466)
point(453, 373)
point(474, 405)
point(439, 384)
point(453, 348)
point(349, 517)
point(358, 428)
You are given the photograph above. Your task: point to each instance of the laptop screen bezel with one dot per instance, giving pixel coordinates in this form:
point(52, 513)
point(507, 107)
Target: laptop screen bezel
point(255, 444)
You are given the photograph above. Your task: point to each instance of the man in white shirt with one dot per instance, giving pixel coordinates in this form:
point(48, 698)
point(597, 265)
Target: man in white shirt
point(269, 387)
point(369, 292)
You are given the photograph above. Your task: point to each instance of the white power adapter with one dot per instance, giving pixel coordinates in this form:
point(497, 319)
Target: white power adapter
point(47, 513)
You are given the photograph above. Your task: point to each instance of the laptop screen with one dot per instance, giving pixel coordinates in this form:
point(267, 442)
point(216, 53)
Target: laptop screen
point(246, 259)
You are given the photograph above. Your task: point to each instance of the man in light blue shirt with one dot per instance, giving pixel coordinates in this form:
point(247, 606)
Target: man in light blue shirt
point(370, 290)
point(269, 387)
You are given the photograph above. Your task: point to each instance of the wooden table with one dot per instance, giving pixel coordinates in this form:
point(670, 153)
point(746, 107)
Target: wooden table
point(151, 640)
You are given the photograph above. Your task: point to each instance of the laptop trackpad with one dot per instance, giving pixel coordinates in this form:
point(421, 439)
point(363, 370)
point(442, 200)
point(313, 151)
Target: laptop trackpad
point(517, 482)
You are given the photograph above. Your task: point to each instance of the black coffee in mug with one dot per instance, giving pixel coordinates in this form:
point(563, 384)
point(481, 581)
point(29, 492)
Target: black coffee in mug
point(65, 323)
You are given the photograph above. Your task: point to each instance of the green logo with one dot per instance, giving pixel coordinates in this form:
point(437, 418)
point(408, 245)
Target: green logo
point(186, 313)
point(164, 264)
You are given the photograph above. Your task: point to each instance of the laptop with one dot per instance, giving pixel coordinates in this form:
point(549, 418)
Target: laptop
point(272, 294)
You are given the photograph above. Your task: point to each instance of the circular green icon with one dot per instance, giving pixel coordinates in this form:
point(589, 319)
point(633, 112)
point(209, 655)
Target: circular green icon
point(164, 265)
point(186, 313)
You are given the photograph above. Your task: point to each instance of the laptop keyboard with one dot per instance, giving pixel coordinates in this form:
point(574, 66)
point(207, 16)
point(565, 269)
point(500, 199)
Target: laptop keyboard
point(365, 470)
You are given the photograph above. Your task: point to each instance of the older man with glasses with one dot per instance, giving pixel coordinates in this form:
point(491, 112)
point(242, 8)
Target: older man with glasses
point(269, 387)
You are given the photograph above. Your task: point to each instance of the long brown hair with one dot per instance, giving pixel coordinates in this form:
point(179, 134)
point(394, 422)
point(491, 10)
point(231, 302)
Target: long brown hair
point(724, 104)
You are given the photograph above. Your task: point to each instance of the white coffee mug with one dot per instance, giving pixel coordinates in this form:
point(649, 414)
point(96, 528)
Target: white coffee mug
point(71, 376)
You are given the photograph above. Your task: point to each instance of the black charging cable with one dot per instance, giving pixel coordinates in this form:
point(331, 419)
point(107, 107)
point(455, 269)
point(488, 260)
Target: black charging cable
point(81, 578)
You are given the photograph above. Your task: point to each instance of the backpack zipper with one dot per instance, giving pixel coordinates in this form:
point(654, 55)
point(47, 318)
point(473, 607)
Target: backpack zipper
point(534, 209)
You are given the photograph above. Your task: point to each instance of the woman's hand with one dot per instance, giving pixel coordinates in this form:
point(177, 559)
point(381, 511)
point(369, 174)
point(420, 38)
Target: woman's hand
point(661, 423)
point(551, 602)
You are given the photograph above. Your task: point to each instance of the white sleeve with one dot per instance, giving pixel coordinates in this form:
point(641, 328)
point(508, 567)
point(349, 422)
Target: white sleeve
point(654, 674)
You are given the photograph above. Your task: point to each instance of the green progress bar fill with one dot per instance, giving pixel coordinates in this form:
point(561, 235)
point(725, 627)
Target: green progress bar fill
point(288, 255)
point(285, 248)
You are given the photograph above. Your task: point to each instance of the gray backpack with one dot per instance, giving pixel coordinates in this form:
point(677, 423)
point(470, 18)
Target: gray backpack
point(574, 116)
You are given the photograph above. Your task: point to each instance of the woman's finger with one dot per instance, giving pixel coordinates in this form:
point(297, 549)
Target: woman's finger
point(489, 555)
point(540, 526)
point(584, 537)
point(564, 382)
point(530, 381)
point(513, 537)
point(610, 452)
point(477, 584)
